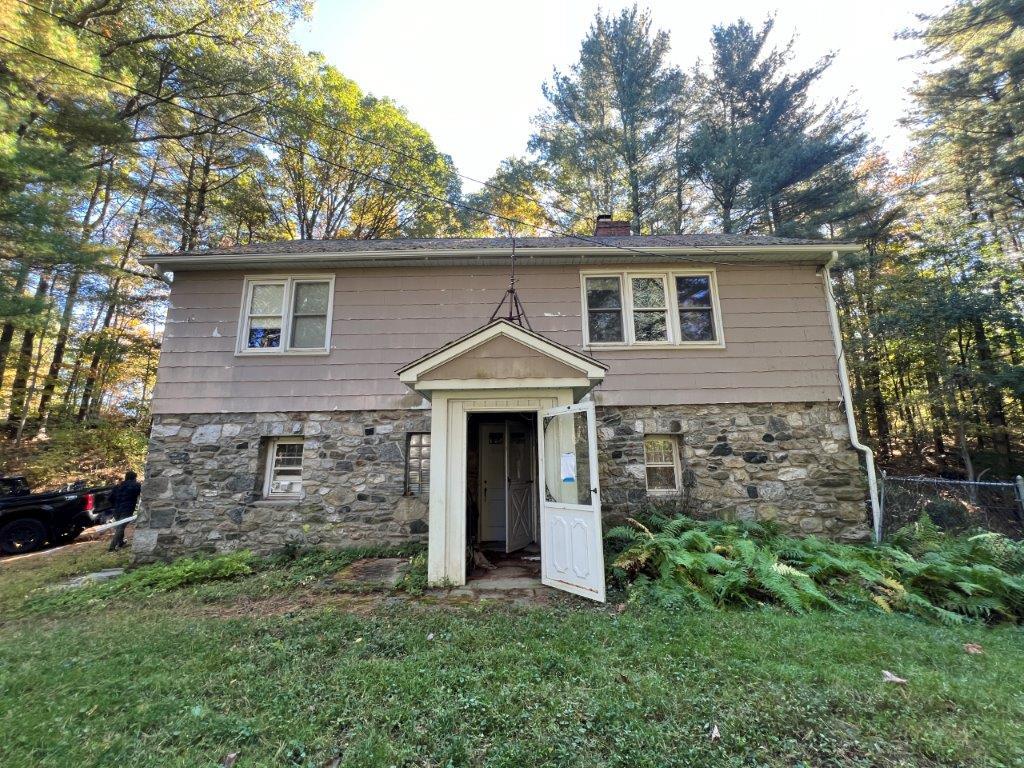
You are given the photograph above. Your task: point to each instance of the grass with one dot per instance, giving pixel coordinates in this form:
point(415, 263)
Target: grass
point(267, 666)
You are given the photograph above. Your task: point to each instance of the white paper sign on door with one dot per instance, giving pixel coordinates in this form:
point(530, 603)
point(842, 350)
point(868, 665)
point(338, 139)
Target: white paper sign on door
point(568, 467)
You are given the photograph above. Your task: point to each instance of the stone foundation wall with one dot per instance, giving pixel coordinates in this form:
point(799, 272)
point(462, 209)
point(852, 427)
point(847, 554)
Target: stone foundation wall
point(204, 482)
point(791, 463)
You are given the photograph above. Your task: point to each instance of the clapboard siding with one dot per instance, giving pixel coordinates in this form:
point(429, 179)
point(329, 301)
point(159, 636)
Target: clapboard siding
point(778, 341)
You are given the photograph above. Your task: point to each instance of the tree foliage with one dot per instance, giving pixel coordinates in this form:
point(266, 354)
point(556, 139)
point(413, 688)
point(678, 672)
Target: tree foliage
point(129, 128)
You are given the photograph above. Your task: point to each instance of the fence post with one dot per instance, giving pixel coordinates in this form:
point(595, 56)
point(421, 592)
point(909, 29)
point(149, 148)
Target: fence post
point(1019, 482)
point(881, 510)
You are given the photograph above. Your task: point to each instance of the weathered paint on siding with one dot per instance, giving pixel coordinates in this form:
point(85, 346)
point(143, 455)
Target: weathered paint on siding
point(777, 340)
point(501, 358)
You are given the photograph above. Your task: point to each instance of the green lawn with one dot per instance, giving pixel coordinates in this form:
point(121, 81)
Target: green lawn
point(288, 675)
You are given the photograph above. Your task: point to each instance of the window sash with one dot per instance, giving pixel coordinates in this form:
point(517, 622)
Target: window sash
point(617, 311)
point(662, 463)
point(678, 315)
point(288, 318)
point(652, 311)
point(283, 466)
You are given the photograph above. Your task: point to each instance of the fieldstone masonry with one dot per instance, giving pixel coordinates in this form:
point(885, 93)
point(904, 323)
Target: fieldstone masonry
point(791, 463)
point(204, 482)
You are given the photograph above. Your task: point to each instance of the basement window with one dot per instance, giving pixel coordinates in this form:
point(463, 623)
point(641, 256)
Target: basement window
point(284, 468)
point(417, 464)
point(661, 460)
point(286, 315)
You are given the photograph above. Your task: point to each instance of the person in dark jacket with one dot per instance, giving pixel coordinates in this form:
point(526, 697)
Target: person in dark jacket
point(123, 500)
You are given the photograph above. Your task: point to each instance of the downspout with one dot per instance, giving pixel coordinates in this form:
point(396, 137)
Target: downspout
point(844, 385)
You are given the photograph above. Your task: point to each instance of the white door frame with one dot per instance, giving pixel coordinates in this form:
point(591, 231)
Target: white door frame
point(449, 427)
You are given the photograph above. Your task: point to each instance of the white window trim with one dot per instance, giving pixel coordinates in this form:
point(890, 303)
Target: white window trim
point(289, 281)
point(268, 470)
point(674, 332)
point(677, 467)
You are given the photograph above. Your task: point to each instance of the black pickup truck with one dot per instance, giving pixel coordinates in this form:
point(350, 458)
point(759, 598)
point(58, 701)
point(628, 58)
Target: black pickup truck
point(30, 520)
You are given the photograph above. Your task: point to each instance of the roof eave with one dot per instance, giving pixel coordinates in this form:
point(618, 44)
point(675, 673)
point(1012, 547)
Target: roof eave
point(802, 252)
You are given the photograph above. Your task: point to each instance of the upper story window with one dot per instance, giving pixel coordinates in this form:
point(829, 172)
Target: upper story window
point(286, 314)
point(678, 308)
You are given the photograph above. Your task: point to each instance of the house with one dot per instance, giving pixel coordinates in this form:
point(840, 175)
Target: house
point(358, 392)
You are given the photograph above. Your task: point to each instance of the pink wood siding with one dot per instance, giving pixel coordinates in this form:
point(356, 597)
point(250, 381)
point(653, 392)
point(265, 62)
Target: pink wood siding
point(778, 343)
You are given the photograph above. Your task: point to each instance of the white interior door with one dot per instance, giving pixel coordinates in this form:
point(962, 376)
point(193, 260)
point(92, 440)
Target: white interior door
point(570, 501)
point(492, 482)
point(519, 509)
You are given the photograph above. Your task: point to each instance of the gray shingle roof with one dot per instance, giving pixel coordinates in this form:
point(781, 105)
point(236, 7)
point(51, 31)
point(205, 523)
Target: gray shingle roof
point(637, 242)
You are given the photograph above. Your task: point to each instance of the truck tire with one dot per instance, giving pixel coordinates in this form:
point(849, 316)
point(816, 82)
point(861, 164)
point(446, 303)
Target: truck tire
point(22, 535)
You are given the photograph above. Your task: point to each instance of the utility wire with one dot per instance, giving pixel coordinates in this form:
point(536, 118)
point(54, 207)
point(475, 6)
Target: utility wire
point(364, 174)
point(372, 142)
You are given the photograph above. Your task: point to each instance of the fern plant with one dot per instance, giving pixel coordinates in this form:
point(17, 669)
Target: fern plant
point(682, 562)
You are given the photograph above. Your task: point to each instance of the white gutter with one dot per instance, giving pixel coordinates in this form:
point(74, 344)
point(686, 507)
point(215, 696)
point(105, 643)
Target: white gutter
point(199, 260)
point(844, 385)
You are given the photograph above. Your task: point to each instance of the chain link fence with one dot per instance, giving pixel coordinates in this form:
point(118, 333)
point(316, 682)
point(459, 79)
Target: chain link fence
point(953, 505)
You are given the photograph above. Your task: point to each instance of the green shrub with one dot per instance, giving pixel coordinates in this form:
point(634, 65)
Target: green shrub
point(715, 564)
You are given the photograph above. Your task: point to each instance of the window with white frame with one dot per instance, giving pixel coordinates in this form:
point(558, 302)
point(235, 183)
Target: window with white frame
point(286, 314)
point(661, 461)
point(678, 307)
point(284, 468)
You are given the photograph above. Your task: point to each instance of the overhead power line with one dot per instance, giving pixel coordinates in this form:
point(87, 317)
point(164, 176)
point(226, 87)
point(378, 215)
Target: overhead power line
point(334, 128)
point(169, 100)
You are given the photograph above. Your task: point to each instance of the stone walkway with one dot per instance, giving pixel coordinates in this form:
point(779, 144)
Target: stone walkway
point(513, 580)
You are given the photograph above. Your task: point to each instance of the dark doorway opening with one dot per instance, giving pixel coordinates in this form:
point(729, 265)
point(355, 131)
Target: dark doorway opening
point(502, 515)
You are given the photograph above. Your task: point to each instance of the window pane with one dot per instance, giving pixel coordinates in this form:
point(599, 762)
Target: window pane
point(658, 450)
point(604, 293)
point(696, 325)
point(309, 332)
point(266, 300)
point(661, 478)
point(264, 332)
point(648, 293)
point(311, 298)
point(605, 326)
point(694, 291)
point(650, 326)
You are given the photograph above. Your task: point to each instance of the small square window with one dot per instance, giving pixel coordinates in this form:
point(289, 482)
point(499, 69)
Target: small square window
point(417, 464)
point(284, 468)
point(661, 460)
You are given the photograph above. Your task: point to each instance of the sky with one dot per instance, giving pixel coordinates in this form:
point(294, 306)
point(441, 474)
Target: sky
point(470, 71)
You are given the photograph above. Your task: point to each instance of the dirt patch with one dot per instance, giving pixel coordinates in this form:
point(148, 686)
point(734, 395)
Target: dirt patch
point(361, 603)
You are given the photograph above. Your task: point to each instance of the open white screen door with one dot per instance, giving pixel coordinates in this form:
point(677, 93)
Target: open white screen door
point(570, 501)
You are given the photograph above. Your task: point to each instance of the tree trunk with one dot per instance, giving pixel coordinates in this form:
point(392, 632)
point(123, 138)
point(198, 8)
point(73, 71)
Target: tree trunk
point(7, 334)
point(995, 409)
point(19, 391)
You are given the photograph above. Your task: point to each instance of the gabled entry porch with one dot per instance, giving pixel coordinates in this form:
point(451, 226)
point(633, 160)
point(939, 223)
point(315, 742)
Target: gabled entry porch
point(505, 380)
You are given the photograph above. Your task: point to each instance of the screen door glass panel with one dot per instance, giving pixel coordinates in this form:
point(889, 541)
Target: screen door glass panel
point(567, 459)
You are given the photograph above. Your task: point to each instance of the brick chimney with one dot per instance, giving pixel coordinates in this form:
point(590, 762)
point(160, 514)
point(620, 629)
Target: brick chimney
point(606, 226)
